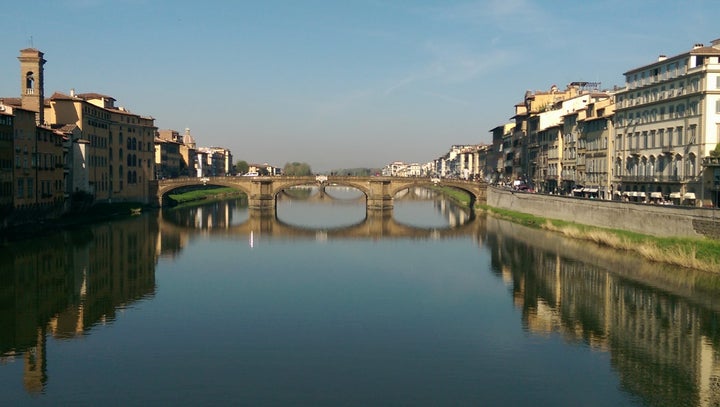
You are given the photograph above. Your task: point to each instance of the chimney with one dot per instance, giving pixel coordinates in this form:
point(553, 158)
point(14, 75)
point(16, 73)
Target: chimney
point(662, 57)
point(72, 92)
point(698, 45)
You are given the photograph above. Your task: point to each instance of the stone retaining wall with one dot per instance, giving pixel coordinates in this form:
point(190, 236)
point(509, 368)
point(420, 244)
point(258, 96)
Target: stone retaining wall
point(656, 220)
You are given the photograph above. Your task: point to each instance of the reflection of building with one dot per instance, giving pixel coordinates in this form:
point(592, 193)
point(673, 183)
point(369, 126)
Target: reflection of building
point(664, 348)
point(62, 290)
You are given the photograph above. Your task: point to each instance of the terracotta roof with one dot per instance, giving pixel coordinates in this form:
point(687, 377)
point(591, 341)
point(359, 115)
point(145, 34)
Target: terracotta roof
point(11, 101)
point(705, 50)
point(694, 51)
point(93, 96)
point(65, 128)
point(61, 96)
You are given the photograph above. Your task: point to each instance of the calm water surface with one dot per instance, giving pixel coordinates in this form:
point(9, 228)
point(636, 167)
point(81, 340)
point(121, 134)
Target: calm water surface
point(324, 305)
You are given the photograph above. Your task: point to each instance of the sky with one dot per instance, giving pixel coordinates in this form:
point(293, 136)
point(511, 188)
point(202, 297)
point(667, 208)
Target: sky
point(340, 83)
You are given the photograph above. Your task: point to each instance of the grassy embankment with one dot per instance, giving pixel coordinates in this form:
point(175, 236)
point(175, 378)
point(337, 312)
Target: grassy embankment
point(696, 253)
point(461, 198)
point(205, 195)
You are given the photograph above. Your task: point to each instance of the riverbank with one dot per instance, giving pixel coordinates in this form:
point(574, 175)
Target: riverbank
point(93, 214)
point(204, 195)
point(461, 198)
point(696, 253)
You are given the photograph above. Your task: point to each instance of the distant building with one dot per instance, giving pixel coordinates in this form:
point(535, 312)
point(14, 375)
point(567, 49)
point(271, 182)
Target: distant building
point(187, 164)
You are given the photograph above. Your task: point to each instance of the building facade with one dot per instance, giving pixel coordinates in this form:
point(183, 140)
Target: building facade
point(667, 122)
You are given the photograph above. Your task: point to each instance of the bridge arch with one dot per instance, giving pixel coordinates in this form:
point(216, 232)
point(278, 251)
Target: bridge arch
point(165, 187)
point(379, 191)
point(474, 189)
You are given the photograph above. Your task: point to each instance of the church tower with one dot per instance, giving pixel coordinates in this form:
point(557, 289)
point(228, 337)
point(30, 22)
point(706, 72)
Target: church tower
point(32, 82)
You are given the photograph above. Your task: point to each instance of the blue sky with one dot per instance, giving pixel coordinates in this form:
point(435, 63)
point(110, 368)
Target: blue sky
point(343, 83)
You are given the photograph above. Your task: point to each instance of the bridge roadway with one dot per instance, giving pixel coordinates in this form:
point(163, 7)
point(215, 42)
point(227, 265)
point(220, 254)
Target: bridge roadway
point(379, 192)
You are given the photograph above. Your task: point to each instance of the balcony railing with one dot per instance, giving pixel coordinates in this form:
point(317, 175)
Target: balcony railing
point(653, 178)
point(711, 162)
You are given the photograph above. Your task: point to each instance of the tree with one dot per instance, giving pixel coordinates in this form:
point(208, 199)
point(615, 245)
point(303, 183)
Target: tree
point(716, 151)
point(241, 167)
point(297, 169)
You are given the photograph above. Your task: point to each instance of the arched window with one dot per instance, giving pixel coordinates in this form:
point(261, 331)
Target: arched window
point(651, 166)
point(676, 166)
point(643, 167)
point(29, 83)
point(129, 177)
point(129, 160)
point(690, 165)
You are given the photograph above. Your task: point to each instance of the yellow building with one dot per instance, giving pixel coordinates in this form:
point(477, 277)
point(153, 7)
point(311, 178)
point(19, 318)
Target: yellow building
point(6, 161)
point(120, 153)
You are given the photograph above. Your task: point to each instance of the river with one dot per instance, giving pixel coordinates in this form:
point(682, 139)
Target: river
point(325, 305)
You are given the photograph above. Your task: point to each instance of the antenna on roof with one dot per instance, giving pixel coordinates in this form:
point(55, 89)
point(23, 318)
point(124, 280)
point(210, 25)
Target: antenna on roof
point(31, 42)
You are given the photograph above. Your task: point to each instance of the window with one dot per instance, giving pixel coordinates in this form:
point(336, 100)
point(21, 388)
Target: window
point(679, 136)
point(690, 166)
point(691, 134)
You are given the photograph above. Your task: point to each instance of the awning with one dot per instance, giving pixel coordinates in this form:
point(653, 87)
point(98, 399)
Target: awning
point(579, 190)
point(633, 193)
point(655, 194)
point(617, 192)
point(689, 195)
point(641, 194)
point(675, 195)
point(590, 190)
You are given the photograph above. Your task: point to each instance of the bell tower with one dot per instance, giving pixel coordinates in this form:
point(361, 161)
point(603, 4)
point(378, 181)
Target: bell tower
point(32, 82)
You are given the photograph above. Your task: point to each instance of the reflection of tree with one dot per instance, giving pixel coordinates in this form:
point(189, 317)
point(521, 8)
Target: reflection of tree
point(66, 283)
point(663, 347)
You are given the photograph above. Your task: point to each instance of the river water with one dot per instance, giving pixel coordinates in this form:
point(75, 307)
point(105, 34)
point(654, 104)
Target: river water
point(325, 305)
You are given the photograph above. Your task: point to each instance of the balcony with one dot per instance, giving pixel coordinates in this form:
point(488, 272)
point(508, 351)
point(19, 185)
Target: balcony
point(652, 178)
point(711, 162)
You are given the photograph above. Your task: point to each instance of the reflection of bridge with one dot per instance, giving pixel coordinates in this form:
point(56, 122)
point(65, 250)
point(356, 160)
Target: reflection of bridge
point(376, 225)
point(379, 191)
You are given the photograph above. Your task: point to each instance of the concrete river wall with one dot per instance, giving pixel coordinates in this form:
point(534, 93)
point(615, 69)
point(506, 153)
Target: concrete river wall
point(656, 220)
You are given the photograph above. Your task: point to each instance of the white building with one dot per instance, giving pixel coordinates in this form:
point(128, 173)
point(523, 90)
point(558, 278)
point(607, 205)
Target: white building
point(667, 122)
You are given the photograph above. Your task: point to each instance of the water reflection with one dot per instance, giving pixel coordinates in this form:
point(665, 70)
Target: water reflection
point(67, 283)
point(663, 340)
point(660, 326)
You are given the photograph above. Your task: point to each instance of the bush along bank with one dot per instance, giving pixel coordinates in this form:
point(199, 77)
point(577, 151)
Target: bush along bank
point(697, 253)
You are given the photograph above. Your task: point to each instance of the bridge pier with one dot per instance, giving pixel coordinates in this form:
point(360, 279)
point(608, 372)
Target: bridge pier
point(379, 197)
point(261, 196)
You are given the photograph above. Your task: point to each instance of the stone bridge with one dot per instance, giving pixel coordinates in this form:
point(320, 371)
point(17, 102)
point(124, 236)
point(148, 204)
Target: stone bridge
point(379, 191)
